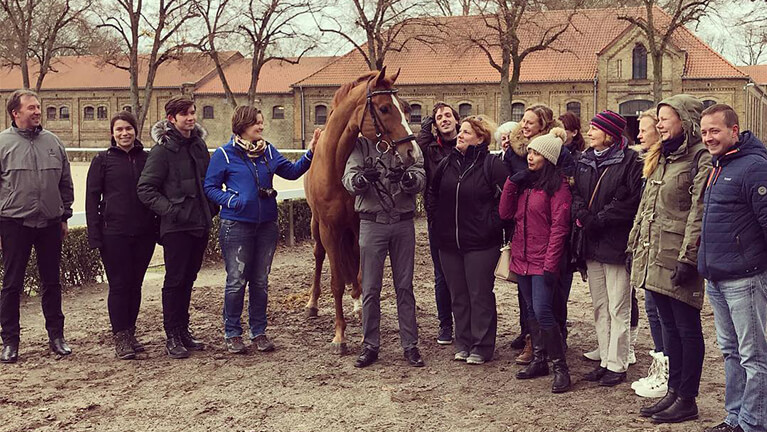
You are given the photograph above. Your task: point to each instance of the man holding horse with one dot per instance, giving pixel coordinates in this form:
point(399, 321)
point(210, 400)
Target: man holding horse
point(385, 189)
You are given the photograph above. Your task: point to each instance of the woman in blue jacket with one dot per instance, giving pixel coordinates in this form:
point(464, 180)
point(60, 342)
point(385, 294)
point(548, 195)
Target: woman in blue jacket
point(239, 179)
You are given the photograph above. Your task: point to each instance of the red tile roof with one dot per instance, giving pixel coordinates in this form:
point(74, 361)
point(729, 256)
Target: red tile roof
point(757, 73)
point(90, 72)
point(575, 58)
point(275, 77)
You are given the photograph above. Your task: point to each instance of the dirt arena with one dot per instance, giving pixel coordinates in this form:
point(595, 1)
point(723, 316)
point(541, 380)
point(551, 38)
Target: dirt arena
point(302, 386)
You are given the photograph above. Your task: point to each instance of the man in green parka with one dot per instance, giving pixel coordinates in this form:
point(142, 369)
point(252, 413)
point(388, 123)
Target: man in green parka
point(664, 249)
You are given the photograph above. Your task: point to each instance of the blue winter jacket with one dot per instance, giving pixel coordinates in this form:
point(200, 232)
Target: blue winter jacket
point(733, 242)
point(239, 200)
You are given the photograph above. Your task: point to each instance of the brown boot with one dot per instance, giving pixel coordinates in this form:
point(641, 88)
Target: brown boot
point(526, 356)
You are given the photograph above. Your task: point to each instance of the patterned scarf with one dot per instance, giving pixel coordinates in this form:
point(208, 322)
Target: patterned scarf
point(254, 150)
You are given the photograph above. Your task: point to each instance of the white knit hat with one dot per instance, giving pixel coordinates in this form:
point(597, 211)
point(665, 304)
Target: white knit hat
point(550, 145)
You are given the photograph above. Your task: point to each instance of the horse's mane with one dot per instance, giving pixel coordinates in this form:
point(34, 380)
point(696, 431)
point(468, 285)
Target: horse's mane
point(344, 90)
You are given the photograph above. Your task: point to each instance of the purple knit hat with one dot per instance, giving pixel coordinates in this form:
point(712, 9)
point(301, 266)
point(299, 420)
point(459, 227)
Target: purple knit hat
point(610, 123)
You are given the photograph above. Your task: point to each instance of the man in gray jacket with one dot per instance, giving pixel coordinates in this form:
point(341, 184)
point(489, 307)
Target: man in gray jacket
point(385, 192)
point(36, 196)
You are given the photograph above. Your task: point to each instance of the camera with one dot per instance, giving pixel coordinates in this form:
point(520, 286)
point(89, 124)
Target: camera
point(267, 193)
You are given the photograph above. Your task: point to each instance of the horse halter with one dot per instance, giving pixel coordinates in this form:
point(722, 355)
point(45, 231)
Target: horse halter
point(377, 124)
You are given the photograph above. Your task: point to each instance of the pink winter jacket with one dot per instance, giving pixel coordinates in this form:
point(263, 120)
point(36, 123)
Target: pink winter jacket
point(541, 227)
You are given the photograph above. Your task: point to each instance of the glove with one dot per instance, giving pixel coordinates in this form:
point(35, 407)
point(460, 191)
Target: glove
point(629, 260)
point(395, 174)
point(551, 279)
point(683, 273)
point(408, 179)
point(588, 221)
point(520, 177)
point(366, 176)
point(427, 123)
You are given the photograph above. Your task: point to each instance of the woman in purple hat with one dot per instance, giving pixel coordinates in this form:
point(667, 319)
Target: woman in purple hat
point(608, 184)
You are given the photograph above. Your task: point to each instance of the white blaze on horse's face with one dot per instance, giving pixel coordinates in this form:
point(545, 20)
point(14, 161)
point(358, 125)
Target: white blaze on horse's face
point(414, 152)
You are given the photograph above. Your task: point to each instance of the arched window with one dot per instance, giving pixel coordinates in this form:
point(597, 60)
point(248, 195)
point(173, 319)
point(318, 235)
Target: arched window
point(708, 102)
point(575, 108)
point(415, 113)
point(278, 112)
point(639, 63)
point(320, 114)
point(207, 112)
point(64, 113)
point(464, 110)
point(128, 108)
point(101, 113)
point(517, 111)
point(634, 108)
point(50, 113)
point(88, 113)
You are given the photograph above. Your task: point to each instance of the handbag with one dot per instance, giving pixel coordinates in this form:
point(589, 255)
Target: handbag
point(502, 270)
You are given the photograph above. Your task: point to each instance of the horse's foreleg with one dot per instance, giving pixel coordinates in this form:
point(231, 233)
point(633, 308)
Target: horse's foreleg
point(338, 345)
point(319, 257)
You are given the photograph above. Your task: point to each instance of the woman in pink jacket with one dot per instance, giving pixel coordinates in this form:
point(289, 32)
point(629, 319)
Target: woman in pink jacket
point(538, 199)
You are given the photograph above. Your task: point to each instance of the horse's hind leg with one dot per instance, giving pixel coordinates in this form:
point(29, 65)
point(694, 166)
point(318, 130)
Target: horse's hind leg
point(319, 257)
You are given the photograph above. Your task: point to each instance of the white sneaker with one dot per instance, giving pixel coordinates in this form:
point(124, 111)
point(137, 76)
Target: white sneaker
point(658, 386)
point(652, 372)
point(593, 355)
point(461, 356)
point(475, 359)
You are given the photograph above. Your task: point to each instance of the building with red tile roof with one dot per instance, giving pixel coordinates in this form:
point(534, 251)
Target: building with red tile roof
point(758, 73)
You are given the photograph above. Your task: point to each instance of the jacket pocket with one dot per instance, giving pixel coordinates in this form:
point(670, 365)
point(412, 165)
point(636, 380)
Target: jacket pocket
point(670, 243)
point(684, 191)
point(182, 208)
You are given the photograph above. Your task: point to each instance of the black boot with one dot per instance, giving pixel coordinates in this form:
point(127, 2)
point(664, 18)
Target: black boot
point(519, 341)
point(137, 346)
point(174, 347)
point(189, 341)
point(681, 410)
point(556, 351)
point(538, 367)
point(659, 406)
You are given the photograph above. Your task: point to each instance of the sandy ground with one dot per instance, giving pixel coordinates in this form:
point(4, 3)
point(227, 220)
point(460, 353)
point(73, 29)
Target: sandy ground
point(302, 386)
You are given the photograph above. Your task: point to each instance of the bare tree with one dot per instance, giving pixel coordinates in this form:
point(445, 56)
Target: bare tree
point(131, 21)
point(515, 30)
point(267, 25)
point(754, 48)
point(454, 7)
point(219, 19)
point(387, 25)
point(660, 31)
point(42, 30)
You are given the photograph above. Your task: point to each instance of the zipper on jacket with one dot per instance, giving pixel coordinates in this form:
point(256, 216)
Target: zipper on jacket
point(524, 227)
point(457, 189)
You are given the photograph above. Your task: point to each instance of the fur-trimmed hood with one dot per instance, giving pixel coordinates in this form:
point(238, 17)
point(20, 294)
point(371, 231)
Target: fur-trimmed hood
point(518, 142)
point(163, 129)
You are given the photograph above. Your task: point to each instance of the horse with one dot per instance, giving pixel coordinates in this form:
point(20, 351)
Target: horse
point(367, 106)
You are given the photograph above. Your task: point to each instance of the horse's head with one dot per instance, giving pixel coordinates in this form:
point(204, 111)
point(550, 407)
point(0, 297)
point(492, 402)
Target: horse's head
point(383, 120)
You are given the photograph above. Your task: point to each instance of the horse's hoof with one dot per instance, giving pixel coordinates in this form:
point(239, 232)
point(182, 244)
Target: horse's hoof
point(310, 312)
point(339, 348)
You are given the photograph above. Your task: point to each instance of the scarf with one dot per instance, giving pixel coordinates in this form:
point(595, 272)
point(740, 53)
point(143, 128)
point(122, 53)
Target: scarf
point(672, 144)
point(253, 150)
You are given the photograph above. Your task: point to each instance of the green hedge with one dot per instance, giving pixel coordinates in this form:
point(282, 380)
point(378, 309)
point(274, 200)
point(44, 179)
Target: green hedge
point(79, 263)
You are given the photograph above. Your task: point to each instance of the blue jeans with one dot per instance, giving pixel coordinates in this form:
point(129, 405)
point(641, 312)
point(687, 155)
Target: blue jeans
point(538, 298)
point(740, 316)
point(248, 249)
point(656, 328)
point(441, 292)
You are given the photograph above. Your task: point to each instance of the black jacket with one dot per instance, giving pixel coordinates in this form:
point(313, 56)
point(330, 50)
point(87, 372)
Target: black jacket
point(608, 221)
point(171, 184)
point(434, 150)
point(112, 206)
point(465, 203)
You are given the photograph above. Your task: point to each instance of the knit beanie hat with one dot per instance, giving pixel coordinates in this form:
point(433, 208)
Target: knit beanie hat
point(610, 123)
point(550, 145)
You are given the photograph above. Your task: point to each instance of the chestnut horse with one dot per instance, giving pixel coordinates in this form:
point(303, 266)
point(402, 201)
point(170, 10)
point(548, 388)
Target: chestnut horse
point(366, 106)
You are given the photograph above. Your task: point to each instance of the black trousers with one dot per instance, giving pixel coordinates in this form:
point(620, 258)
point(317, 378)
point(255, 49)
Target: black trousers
point(125, 259)
point(17, 242)
point(183, 258)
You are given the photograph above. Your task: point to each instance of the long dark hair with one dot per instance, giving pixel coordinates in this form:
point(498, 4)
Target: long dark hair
point(573, 123)
point(548, 178)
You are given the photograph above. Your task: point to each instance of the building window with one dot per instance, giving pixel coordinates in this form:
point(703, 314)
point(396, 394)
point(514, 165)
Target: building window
point(50, 113)
point(639, 70)
point(708, 102)
point(464, 110)
point(278, 112)
point(634, 108)
point(517, 111)
point(575, 108)
point(101, 113)
point(128, 108)
point(320, 114)
point(207, 112)
point(88, 113)
point(415, 113)
point(64, 113)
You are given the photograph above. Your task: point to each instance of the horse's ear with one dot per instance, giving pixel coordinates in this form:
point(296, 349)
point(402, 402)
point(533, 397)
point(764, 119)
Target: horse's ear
point(393, 78)
point(381, 78)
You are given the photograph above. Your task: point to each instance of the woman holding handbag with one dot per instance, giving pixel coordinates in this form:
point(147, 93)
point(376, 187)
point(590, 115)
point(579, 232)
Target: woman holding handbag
point(538, 199)
point(608, 186)
point(464, 195)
